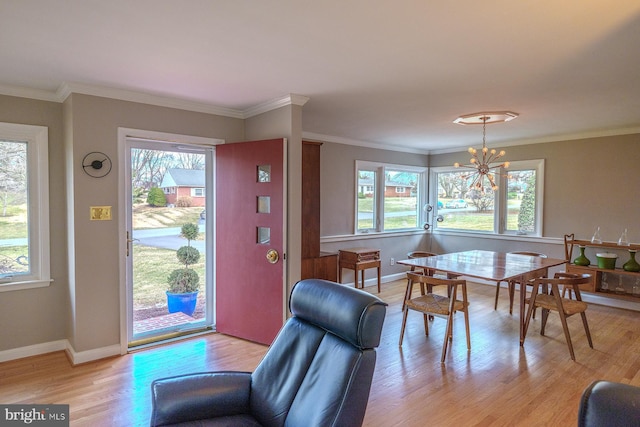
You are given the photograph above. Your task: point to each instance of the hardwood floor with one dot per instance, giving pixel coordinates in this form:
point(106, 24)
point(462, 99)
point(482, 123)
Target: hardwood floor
point(496, 384)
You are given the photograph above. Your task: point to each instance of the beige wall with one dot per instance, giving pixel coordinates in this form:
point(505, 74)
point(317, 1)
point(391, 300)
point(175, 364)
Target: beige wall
point(83, 303)
point(94, 245)
point(286, 122)
point(588, 183)
point(337, 206)
point(38, 315)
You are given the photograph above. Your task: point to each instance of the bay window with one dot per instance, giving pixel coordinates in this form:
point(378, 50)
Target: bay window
point(515, 207)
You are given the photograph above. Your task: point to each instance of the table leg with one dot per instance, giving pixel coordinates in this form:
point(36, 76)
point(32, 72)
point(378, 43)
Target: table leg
point(378, 278)
point(523, 291)
point(362, 281)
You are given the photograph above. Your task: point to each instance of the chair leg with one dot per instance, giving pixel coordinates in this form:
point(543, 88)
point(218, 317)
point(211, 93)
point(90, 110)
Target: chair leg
point(528, 316)
point(425, 319)
point(543, 323)
point(567, 335)
point(447, 336)
point(495, 304)
point(407, 293)
point(404, 322)
point(586, 328)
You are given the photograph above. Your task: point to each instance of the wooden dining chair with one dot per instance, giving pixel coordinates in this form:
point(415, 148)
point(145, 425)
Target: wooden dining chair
point(424, 271)
point(511, 285)
point(550, 299)
point(438, 305)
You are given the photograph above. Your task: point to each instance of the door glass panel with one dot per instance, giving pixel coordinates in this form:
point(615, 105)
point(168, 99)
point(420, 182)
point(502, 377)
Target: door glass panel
point(264, 204)
point(168, 201)
point(264, 235)
point(264, 173)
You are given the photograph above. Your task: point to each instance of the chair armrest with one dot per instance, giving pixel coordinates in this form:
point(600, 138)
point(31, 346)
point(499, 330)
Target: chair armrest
point(199, 396)
point(611, 404)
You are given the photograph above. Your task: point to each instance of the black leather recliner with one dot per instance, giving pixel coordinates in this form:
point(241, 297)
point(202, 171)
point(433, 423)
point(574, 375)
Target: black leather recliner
point(317, 372)
point(609, 404)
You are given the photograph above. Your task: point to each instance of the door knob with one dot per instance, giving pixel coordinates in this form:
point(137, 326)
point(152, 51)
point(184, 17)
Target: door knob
point(272, 256)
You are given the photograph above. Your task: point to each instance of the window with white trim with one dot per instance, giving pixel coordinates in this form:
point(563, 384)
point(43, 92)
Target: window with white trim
point(515, 207)
point(24, 207)
point(389, 197)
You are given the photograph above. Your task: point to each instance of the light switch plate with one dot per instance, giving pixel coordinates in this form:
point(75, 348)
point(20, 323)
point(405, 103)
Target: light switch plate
point(100, 213)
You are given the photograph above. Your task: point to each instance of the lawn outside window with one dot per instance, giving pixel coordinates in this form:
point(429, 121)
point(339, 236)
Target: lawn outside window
point(515, 207)
point(389, 197)
point(24, 207)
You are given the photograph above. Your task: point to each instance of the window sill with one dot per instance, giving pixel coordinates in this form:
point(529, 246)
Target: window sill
point(371, 235)
point(27, 284)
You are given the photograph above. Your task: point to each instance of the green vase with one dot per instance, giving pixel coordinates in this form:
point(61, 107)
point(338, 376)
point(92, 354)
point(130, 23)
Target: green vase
point(582, 259)
point(632, 264)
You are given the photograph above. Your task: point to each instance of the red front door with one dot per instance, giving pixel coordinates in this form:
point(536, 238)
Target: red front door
point(250, 273)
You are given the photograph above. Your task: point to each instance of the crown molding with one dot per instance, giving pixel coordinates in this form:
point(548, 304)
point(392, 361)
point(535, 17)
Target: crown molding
point(25, 92)
point(291, 99)
point(67, 89)
point(599, 133)
point(310, 136)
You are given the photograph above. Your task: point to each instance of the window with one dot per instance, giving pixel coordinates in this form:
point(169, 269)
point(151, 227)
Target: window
point(388, 197)
point(197, 192)
point(24, 207)
point(515, 207)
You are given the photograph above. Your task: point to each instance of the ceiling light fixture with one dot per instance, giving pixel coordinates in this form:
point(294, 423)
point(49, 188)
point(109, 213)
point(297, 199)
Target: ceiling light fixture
point(482, 167)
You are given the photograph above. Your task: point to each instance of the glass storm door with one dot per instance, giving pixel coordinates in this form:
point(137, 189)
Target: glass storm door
point(169, 185)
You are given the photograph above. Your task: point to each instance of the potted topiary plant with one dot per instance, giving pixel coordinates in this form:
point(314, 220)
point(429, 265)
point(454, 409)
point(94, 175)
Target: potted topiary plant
point(184, 282)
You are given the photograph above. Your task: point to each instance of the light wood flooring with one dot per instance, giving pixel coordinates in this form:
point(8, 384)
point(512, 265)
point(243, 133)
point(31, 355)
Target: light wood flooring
point(497, 383)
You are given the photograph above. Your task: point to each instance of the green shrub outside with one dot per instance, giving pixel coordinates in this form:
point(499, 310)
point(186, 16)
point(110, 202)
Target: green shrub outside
point(156, 197)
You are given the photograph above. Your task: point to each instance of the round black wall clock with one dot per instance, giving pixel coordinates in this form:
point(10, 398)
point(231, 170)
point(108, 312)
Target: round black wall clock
point(96, 164)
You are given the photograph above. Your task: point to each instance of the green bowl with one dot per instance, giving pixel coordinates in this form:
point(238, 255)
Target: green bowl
point(607, 260)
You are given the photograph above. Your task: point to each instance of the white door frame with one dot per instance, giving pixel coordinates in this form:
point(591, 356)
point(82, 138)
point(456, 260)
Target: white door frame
point(124, 181)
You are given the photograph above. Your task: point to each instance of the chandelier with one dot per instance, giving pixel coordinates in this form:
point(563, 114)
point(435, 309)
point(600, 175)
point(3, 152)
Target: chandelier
point(481, 166)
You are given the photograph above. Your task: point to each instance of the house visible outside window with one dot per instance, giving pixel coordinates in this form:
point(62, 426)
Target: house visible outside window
point(388, 197)
point(514, 208)
point(24, 207)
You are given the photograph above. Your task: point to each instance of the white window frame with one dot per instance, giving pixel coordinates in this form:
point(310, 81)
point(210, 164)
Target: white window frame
point(195, 190)
point(379, 189)
point(500, 203)
point(37, 139)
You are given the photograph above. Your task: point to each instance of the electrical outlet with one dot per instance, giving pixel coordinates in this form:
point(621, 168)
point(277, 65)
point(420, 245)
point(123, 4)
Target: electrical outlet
point(392, 261)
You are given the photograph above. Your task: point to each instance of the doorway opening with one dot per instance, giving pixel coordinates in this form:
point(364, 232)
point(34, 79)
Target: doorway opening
point(169, 254)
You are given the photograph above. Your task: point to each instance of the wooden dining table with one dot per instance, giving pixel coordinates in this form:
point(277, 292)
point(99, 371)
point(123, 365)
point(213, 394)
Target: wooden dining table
point(489, 265)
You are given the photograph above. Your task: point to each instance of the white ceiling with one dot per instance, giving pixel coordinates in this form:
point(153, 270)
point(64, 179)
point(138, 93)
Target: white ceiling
point(395, 73)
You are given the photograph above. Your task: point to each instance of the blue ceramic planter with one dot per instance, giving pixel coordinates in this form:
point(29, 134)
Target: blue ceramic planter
point(185, 303)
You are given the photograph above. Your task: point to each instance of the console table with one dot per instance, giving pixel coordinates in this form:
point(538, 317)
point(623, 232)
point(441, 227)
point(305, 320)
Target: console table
point(358, 260)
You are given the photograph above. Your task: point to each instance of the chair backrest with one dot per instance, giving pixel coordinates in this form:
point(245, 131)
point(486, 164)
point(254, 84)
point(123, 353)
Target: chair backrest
point(318, 371)
point(434, 281)
point(566, 280)
point(420, 254)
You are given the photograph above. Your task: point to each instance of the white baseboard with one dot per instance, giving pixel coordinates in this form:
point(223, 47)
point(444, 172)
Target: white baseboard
point(33, 350)
point(91, 355)
point(60, 345)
